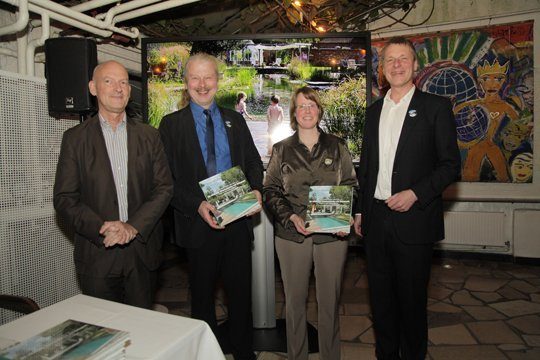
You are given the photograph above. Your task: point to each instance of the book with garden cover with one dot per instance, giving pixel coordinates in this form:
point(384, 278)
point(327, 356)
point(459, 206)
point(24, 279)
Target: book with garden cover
point(329, 209)
point(71, 340)
point(231, 194)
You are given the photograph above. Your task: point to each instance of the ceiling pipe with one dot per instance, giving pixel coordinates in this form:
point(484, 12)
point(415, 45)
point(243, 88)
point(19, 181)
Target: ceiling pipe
point(108, 17)
point(151, 9)
point(47, 4)
point(69, 21)
point(90, 5)
point(31, 49)
point(22, 20)
point(64, 19)
point(22, 43)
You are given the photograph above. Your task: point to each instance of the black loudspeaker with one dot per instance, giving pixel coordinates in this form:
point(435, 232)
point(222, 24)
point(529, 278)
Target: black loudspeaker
point(69, 63)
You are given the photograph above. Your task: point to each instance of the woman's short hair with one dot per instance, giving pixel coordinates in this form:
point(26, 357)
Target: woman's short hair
point(309, 94)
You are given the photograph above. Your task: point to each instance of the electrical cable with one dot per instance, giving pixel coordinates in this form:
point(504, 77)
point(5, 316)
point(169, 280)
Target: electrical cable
point(408, 11)
point(394, 23)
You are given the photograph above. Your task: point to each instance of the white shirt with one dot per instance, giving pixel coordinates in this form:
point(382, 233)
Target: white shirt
point(116, 144)
point(391, 121)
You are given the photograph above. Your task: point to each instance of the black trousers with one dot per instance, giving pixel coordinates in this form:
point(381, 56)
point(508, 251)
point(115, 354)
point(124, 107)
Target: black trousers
point(129, 282)
point(398, 275)
point(225, 254)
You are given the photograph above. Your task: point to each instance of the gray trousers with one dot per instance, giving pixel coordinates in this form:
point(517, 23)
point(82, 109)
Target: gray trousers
point(295, 261)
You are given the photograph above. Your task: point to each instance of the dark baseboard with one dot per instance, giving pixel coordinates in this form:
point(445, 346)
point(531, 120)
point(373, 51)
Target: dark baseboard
point(453, 254)
point(527, 261)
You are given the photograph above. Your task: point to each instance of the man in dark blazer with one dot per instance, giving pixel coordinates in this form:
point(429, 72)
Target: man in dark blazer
point(212, 251)
point(409, 156)
point(112, 185)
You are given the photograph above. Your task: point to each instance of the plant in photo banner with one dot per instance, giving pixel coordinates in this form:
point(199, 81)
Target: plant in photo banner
point(234, 80)
point(161, 101)
point(345, 111)
point(299, 69)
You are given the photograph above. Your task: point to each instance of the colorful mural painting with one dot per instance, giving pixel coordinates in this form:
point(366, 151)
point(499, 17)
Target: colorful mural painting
point(488, 75)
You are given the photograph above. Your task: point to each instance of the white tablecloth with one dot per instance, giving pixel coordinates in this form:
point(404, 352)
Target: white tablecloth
point(153, 335)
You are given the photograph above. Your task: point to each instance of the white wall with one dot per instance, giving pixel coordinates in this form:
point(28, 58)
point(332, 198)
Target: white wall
point(36, 253)
point(456, 12)
point(7, 63)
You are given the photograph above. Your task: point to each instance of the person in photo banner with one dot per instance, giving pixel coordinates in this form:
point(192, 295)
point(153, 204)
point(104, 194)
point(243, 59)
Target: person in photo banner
point(309, 157)
point(112, 185)
point(241, 105)
point(202, 140)
point(274, 117)
point(409, 156)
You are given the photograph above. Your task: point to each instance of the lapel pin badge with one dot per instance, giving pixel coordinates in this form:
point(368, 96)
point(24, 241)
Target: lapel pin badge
point(228, 124)
point(412, 113)
point(327, 161)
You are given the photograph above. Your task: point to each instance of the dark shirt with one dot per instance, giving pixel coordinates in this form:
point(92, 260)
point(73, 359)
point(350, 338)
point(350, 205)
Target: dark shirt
point(293, 169)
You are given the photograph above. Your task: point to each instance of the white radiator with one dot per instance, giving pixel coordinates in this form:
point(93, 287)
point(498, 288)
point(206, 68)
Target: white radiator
point(475, 231)
point(527, 233)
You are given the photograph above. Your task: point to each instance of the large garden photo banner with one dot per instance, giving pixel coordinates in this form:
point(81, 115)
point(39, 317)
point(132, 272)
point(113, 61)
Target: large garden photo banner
point(259, 75)
point(487, 73)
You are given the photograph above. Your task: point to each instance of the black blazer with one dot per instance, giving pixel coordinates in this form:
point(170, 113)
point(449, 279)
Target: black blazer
point(427, 160)
point(188, 168)
point(85, 193)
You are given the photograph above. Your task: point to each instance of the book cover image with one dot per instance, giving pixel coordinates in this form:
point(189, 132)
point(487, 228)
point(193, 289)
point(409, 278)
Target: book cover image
point(70, 340)
point(231, 194)
point(329, 209)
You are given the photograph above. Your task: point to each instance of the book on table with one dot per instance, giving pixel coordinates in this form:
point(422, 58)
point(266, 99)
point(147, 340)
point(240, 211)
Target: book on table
point(231, 194)
point(329, 209)
point(71, 340)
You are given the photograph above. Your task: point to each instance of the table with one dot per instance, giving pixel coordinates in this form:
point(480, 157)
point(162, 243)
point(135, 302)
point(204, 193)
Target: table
point(153, 335)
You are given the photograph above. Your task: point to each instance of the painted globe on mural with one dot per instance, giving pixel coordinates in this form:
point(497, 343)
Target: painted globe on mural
point(454, 81)
point(471, 123)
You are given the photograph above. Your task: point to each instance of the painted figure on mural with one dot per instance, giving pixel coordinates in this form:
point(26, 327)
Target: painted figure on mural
point(521, 167)
point(525, 90)
point(492, 78)
point(513, 139)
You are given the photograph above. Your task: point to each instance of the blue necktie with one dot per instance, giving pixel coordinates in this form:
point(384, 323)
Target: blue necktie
point(210, 148)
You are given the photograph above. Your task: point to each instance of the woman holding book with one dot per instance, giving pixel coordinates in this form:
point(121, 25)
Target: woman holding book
point(310, 157)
